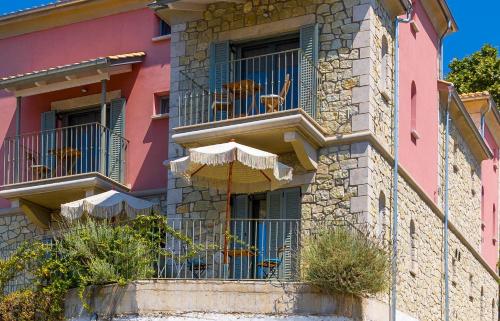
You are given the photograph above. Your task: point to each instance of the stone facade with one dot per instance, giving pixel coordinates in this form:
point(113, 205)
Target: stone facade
point(464, 183)
point(14, 229)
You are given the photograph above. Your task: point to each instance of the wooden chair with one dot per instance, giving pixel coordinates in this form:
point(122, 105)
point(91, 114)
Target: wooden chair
point(222, 103)
point(273, 102)
point(40, 171)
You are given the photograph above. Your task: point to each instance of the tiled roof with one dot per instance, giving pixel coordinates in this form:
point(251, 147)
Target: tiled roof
point(77, 64)
point(479, 94)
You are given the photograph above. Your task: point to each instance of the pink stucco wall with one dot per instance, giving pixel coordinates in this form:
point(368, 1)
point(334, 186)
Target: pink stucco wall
point(117, 34)
point(418, 63)
point(489, 206)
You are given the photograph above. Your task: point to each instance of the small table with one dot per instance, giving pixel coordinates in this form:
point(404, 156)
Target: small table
point(242, 89)
point(64, 155)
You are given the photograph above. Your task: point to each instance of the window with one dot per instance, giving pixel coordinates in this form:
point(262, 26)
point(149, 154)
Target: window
point(164, 105)
point(384, 65)
point(413, 248)
point(453, 271)
point(381, 216)
point(413, 111)
point(164, 28)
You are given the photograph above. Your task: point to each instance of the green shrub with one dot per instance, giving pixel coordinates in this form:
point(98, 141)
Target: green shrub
point(18, 306)
point(341, 261)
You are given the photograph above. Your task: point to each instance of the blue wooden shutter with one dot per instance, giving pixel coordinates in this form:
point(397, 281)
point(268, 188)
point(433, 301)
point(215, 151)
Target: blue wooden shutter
point(116, 152)
point(307, 70)
point(47, 139)
point(220, 53)
point(291, 212)
point(240, 230)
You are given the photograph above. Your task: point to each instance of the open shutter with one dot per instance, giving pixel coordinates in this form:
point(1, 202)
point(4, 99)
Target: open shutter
point(292, 205)
point(272, 230)
point(220, 53)
point(240, 230)
point(116, 158)
point(307, 70)
point(47, 139)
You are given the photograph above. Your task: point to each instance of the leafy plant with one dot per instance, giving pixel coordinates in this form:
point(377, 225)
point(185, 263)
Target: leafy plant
point(341, 261)
point(478, 72)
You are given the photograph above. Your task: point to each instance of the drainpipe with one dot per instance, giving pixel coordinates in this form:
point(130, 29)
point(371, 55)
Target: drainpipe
point(483, 117)
point(394, 264)
point(446, 183)
point(446, 206)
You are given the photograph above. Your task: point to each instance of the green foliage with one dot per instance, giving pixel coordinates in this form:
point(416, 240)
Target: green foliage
point(477, 72)
point(88, 253)
point(340, 261)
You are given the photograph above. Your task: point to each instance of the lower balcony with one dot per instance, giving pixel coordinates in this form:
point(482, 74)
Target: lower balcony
point(45, 169)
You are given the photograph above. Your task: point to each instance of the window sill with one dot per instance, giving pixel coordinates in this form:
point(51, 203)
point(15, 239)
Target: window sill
point(159, 116)
point(414, 134)
point(161, 38)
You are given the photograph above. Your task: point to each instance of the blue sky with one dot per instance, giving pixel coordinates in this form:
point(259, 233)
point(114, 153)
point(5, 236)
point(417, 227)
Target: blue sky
point(475, 18)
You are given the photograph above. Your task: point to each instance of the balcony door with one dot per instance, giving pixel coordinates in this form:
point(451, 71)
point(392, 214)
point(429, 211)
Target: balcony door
point(269, 224)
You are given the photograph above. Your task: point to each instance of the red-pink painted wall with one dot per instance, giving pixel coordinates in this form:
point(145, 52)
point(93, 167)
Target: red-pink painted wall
point(489, 206)
point(117, 34)
point(418, 64)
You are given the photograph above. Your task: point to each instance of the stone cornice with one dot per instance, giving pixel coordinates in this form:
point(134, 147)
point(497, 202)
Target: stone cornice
point(384, 150)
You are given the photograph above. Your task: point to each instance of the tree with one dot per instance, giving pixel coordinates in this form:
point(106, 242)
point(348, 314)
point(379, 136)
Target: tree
point(478, 72)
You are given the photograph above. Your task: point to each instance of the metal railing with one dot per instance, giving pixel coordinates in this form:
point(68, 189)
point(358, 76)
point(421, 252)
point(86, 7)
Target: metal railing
point(256, 249)
point(63, 152)
point(258, 85)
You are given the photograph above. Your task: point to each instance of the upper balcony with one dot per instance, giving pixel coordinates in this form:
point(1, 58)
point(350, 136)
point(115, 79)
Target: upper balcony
point(79, 148)
point(270, 101)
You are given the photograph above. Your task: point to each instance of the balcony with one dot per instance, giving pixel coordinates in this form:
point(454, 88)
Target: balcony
point(45, 169)
point(269, 101)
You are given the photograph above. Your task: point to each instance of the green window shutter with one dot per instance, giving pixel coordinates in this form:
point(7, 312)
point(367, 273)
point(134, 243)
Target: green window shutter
point(309, 45)
point(219, 65)
point(240, 230)
point(47, 138)
point(116, 150)
point(273, 229)
point(292, 206)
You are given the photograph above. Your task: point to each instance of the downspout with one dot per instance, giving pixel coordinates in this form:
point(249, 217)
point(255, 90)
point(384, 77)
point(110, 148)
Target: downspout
point(446, 183)
point(394, 264)
point(446, 207)
point(483, 117)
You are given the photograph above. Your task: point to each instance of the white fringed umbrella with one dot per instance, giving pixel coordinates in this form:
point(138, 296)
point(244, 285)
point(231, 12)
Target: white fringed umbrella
point(107, 205)
point(234, 167)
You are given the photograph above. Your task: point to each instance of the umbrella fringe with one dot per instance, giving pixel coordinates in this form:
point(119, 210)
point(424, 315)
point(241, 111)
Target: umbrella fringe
point(252, 161)
point(236, 188)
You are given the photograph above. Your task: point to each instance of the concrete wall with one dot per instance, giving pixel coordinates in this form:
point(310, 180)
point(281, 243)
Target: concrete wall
point(219, 300)
point(117, 34)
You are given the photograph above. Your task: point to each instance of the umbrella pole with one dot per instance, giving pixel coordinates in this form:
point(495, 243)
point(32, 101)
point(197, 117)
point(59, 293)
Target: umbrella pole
point(228, 218)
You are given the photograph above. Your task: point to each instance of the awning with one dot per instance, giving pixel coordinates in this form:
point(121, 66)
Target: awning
point(107, 205)
point(71, 75)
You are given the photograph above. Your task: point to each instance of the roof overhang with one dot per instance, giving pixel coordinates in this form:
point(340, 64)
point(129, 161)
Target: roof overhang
point(463, 121)
point(483, 104)
point(440, 15)
point(69, 76)
point(179, 11)
point(59, 13)
point(396, 7)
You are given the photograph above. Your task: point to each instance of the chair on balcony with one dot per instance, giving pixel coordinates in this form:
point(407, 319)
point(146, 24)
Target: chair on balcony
point(223, 105)
point(39, 170)
point(273, 102)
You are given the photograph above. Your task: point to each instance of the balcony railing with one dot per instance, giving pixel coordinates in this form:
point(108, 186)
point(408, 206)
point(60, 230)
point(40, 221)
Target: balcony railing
point(250, 86)
point(256, 249)
point(63, 152)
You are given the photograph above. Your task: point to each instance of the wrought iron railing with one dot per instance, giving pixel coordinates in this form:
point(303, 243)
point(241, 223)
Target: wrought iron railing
point(255, 249)
point(63, 152)
point(245, 87)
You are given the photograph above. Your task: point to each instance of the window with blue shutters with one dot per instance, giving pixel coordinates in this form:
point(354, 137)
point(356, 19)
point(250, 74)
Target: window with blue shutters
point(308, 74)
point(116, 159)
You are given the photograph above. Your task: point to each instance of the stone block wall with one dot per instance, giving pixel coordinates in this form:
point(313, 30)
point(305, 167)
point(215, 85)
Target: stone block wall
point(420, 256)
point(464, 183)
point(15, 229)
